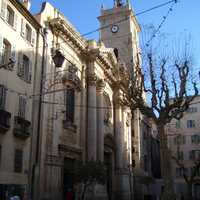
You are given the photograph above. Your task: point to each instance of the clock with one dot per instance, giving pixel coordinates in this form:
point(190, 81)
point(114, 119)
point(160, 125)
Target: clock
point(114, 28)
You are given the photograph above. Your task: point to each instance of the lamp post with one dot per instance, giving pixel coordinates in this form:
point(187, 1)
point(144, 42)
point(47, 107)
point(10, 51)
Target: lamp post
point(58, 58)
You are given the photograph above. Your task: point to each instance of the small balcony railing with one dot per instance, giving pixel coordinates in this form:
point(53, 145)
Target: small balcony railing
point(22, 128)
point(4, 121)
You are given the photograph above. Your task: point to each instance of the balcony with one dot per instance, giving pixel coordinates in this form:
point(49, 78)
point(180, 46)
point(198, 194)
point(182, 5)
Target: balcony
point(22, 128)
point(4, 121)
point(70, 78)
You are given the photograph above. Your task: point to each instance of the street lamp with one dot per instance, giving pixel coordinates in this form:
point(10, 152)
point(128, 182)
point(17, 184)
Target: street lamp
point(9, 65)
point(58, 58)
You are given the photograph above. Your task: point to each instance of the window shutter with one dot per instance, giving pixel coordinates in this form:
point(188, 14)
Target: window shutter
point(20, 69)
point(15, 21)
point(1, 49)
point(3, 9)
point(18, 162)
point(22, 106)
point(13, 54)
point(30, 71)
point(23, 28)
point(33, 36)
point(2, 96)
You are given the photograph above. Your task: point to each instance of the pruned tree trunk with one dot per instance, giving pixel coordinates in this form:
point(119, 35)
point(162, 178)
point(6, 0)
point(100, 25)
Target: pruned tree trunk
point(166, 169)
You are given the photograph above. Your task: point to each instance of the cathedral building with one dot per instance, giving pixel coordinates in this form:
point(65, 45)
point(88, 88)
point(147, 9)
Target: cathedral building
point(80, 110)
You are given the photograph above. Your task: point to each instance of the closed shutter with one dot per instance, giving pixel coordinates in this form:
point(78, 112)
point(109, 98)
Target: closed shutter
point(33, 36)
point(20, 67)
point(23, 28)
point(30, 71)
point(15, 22)
point(18, 162)
point(70, 105)
point(2, 96)
point(22, 106)
point(3, 9)
point(1, 49)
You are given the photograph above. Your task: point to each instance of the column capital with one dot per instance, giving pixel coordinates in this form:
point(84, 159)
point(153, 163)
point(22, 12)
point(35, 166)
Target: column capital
point(91, 79)
point(100, 85)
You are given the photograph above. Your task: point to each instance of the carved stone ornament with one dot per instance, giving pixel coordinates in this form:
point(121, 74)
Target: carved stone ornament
point(100, 85)
point(91, 79)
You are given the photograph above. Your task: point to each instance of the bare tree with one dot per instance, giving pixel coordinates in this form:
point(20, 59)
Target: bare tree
point(189, 178)
point(166, 83)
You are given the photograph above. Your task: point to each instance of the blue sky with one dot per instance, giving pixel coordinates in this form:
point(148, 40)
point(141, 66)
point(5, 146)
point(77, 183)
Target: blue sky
point(183, 19)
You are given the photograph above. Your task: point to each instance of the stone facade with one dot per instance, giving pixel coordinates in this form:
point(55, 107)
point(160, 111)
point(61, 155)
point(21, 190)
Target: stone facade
point(18, 55)
point(80, 106)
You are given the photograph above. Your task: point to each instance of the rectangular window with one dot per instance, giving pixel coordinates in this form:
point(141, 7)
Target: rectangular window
point(6, 52)
point(195, 139)
point(178, 124)
point(180, 155)
point(28, 32)
point(70, 105)
point(18, 162)
point(24, 70)
point(10, 16)
point(190, 123)
point(192, 110)
point(181, 171)
point(22, 106)
point(2, 97)
point(25, 64)
point(179, 140)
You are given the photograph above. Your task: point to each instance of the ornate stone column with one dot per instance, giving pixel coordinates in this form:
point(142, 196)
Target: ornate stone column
point(118, 133)
point(91, 117)
point(122, 180)
point(100, 120)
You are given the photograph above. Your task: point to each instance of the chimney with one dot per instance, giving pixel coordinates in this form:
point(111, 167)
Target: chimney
point(26, 4)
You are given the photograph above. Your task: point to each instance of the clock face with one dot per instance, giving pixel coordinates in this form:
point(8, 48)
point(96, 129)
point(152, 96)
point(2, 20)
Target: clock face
point(114, 28)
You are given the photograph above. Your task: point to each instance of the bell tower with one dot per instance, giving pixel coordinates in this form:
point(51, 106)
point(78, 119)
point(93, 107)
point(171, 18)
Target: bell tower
point(120, 30)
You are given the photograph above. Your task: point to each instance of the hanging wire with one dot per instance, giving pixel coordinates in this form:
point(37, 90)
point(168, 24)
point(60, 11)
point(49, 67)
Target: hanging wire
point(162, 23)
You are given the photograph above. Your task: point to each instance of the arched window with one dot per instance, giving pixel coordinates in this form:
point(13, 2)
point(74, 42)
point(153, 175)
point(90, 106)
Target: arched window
point(116, 53)
point(107, 110)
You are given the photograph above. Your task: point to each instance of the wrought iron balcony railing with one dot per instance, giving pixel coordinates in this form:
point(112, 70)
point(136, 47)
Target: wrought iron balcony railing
point(22, 128)
point(4, 121)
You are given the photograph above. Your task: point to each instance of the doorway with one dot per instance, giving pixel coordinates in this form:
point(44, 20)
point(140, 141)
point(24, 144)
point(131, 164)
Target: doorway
point(68, 176)
point(108, 163)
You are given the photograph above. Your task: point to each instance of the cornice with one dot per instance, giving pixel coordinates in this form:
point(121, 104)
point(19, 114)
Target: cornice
point(29, 17)
point(63, 29)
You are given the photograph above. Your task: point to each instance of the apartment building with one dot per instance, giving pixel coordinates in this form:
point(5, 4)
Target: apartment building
point(18, 37)
point(184, 143)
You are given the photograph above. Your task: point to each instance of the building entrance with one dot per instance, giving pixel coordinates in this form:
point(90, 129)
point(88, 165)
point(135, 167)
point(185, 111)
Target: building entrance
point(108, 163)
point(68, 178)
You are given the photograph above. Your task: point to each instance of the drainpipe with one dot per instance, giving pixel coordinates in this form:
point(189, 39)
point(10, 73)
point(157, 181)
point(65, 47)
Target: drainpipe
point(36, 167)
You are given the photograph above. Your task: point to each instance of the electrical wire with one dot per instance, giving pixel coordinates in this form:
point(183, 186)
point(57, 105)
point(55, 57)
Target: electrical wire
point(126, 18)
point(161, 24)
